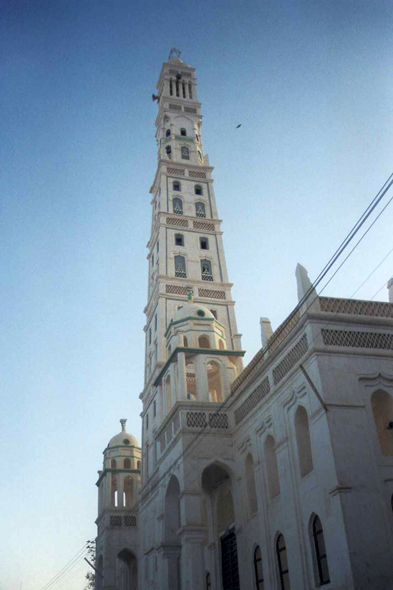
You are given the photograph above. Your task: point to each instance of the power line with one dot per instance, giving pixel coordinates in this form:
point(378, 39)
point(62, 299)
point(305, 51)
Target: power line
point(66, 568)
point(371, 273)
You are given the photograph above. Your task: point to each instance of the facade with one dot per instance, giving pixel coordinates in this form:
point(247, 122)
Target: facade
point(276, 476)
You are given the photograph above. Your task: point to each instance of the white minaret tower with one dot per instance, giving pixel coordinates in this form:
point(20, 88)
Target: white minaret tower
point(186, 260)
point(193, 348)
point(117, 543)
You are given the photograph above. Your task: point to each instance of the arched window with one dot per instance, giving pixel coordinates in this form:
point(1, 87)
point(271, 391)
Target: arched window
point(185, 153)
point(221, 345)
point(214, 382)
point(251, 488)
point(154, 409)
point(179, 239)
point(183, 132)
point(273, 482)
point(190, 90)
point(206, 270)
point(180, 267)
point(168, 393)
point(382, 406)
point(171, 87)
point(114, 498)
point(302, 431)
point(282, 560)
point(185, 342)
point(167, 133)
point(320, 552)
point(204, 243)
point(198, 189)
point(129, 499)
point(177, 205)
point(138, 465)
point(168, 150)
point(127, 464)
point(176, 185)
point(113, 463)
point(208, 581)
point(184, 90)
point(200, 210)
point(259, 583)
point(204, 342)
point(177, 88)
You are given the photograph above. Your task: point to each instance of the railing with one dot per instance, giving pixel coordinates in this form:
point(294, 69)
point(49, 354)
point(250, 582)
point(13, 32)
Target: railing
point(180, 273)
point(120, 520)
point(200, 213)
point(207, 276)
point(178, 210)
point(184, 138)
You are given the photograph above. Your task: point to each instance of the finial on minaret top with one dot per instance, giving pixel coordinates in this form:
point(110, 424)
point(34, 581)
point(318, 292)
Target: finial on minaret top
point(390, 287)
point(123, 424)
point(304, 285)
point(174, 54)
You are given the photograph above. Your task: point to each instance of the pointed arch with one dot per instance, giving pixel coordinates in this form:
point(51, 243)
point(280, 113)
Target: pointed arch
point(129, 493)
point(127, 463)
point(303, 440)
point(251, 487)
point(172, 511)
point(204, 341)
point(214, 379)
point(126, 570)
point(319, 550)
point(382, 408)
point(258, 570)
point(282, 562)
point(273, 481)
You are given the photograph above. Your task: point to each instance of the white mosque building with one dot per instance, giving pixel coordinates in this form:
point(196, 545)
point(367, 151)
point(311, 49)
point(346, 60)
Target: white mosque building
point(274, 477)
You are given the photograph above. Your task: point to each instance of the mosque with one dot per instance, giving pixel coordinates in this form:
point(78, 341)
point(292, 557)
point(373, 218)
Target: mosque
point(276, 476)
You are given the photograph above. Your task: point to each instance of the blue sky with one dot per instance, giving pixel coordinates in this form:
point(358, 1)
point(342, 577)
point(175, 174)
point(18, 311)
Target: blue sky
point(311, 84)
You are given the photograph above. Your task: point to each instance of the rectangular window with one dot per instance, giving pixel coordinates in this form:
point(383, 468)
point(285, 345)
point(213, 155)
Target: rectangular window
point(204, 243)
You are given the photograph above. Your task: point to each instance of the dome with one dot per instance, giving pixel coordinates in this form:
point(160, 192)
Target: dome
point(194, 310)
point(123, 438)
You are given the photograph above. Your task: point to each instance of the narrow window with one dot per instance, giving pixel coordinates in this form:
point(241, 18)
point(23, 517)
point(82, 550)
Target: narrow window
point(185, 342)
point(154, 409)
point(197, 137)
point(180, 267)
point(259, 584)
point(183, 132)
point(204, 243)
point(273, 482)
point(200, 210)
point(167, 133)
point(113, 464)
point(204, 342)
point(302, 431)
point(176, 185)
point(149, 335)
point(282, 560)
point(177, 205)
point(155, 323)
point(184, 90)
point(208, 582)
point(206, 270)
point(198, 189)
point(158, 246)
point(179, 239)
point(177, 88)
point(190, 90)
point(138, 465)
point(382, 407)
point(152, 259)
point(168, 150)
point(200, 155)
point(185, 153)
point(171, 87)
point(127, 464)
point(320, 551)
point(214, 312)
point(147, 421)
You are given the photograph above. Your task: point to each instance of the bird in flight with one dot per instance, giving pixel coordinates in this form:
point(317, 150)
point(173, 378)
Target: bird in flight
point(239, 126)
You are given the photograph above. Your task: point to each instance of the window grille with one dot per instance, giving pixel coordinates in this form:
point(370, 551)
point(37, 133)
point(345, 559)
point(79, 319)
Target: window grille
point(320, 551)
point(282, 560)
point(115, 521)
point(190, 110)
point(352, 306)
point(196, 174)
point(196, 419)
point(175, 290)
point(176, 171)
point(180, 267)
point(209, 293)
point(130, 520)
point(200, 210)
point(185, 153)
point(252, 400)
point(290, 360)
point(353, 339)
point(218, 421)
point(175, 107)
point(178, 222)
point(203, 225)
point(259, 583)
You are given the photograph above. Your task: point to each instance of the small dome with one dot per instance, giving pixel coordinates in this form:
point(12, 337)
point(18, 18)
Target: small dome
point(123, 438)
point(194, 310)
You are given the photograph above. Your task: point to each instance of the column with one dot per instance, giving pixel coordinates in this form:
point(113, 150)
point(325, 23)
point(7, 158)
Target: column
point(181, 364)
point(192, 566)
point(201, 378)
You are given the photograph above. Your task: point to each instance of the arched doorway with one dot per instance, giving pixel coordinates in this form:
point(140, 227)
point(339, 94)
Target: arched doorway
point(172, 539)
point(126, 570)
point(216, 483)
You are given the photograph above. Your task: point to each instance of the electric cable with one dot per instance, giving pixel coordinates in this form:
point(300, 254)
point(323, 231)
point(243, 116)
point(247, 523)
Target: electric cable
point(66, 568)
point(371, 273)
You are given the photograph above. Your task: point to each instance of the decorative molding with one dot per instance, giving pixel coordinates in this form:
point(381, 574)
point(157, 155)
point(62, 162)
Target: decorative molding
point(340, 490)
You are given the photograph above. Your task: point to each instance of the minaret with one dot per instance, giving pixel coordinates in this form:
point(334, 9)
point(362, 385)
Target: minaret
point(117, 542)
point(190, 307)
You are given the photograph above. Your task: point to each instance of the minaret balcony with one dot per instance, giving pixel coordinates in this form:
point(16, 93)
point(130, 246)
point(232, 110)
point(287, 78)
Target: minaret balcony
point(184, 138)
point(206, 276)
